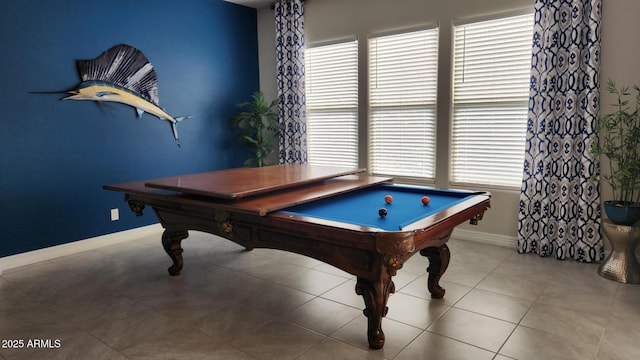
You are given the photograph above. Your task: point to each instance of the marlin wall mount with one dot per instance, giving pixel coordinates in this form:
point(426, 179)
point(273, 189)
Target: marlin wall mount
point(122, 74)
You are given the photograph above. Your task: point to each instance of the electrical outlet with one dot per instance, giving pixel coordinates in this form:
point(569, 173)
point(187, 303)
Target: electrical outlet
point(115, 214)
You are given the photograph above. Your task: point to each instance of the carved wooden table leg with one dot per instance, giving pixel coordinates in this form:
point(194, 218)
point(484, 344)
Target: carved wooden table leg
point(375, 296)
point(438, 263)
point(171, 243)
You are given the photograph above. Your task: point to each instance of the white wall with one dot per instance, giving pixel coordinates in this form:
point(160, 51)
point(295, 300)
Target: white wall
point(620, 54)
point(331, 20)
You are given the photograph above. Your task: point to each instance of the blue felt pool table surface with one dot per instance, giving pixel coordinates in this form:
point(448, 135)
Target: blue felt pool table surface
point(361, 207)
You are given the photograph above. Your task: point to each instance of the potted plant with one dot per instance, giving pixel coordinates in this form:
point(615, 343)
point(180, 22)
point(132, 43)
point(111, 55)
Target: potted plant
point(620, 144)
point(258, 127)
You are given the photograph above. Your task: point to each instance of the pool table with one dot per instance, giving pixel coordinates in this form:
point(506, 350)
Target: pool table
point(328, 213)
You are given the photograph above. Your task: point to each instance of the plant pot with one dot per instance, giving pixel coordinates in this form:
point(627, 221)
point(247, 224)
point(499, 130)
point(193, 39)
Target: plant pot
point(622, 212)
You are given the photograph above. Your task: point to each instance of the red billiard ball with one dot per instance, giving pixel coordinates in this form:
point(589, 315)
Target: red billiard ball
point(388, 199)
point(382, 212)
point(425, 200)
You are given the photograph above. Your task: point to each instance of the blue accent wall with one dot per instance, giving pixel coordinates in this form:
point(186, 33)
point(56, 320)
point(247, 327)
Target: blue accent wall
point(55, 156)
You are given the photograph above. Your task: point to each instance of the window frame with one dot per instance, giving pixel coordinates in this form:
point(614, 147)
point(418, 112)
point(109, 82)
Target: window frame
point(523, 102)
point(432, 105)
point(353, 108)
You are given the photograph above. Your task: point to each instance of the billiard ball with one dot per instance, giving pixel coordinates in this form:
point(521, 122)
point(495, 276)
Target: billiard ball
point(382, 212)
point(425, 200)
point(388, 199)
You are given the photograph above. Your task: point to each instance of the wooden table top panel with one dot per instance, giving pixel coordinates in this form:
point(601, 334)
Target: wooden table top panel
point(285, 198)
point(260, 204)
point(243, 182)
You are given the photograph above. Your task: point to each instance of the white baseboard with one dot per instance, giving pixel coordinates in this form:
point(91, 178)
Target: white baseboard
point(31, 257)
point(485, 238)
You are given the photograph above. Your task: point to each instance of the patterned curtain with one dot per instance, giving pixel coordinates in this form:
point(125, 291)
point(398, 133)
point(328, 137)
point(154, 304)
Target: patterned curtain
point(289, 16)
point(559, 203)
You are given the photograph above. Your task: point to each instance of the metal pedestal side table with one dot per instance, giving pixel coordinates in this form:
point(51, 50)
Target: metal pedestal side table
point(621, 265)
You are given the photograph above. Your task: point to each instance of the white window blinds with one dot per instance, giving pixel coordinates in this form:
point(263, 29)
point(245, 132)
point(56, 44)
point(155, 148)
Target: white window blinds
point(402, 100)
point(331, 89)
point(492, 65)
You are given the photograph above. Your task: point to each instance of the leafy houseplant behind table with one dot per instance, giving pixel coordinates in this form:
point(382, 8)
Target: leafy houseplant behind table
point(258, 126)
point(620, 144)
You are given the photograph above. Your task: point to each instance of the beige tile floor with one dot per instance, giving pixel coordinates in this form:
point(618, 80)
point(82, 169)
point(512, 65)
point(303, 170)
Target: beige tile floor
point(119, 302)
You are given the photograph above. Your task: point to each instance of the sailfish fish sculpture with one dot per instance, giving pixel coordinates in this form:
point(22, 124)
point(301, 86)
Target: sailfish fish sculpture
point(123, 74)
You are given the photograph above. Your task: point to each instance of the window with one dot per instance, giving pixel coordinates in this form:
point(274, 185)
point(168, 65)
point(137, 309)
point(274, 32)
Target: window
point(331, 79)
point(402, 103)
point(492, 65)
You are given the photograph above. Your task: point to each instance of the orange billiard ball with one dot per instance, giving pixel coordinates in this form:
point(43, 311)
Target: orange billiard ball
point(425, 200)
point(388, 199)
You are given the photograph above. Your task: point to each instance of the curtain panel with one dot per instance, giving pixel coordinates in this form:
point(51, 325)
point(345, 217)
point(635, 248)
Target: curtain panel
point(289, 20)
point(559, 212)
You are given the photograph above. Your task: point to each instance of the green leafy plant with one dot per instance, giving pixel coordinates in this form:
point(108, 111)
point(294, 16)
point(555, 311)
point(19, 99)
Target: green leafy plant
point(620, 144)
point(258, 127)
